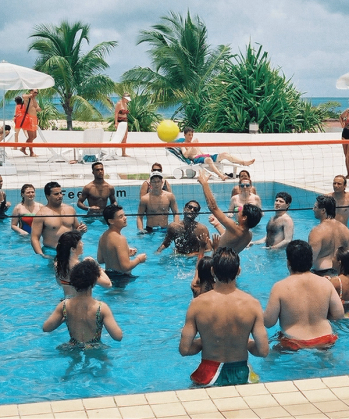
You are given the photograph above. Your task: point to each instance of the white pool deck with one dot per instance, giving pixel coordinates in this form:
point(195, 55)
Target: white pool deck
point(312, 166)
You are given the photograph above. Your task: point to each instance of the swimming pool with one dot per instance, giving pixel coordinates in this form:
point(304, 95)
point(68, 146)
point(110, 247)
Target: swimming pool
point(150, 311)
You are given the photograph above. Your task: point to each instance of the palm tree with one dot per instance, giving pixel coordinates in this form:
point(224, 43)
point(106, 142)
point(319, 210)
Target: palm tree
point(182, 60)
point(78, 78)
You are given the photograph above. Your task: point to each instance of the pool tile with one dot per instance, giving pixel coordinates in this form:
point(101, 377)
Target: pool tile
point(215, 415)
point(240, 414)
point(319, 395)
point(38, 416)
point(251, 389)
point(199, 406)
point(310, 384)
point(137, 412)
point(312, 416)
point(333, 406)
point(67, 406)
point(161, 397)
point(339, 415)
point(233, 403)
point(271, 412)
point(109, 412)
point(9, 410)
point(221, 392)
point(99, 402)
point(332, 382)
point(261, 401)
point(281, 387)
point(189, 395)
point(302, 409)
point(174, 417)
point(34, 408)
point(130, 400)
point(293, 397)
point(77, 414)
point(168, 409)
point(341, 392)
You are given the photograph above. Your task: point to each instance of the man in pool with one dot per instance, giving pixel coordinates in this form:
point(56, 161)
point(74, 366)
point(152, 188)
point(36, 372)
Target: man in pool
point(113, 249)
point(224, 318)
point(303, 302)
point(197, 156)
point(279, 227)
point(235, 235)
point(97, 192)
point(342, 199)
point(187, 233)
point(326, 237)
point(52, 220)
point(4, 204)
point(156, 205)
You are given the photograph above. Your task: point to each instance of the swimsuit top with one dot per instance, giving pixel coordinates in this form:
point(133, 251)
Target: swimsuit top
point(26, 221)
point(341, 291)
point(99, 326)
point(124, 111)
point(122, 115)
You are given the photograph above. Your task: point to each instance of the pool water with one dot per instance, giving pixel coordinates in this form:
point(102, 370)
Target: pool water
point(151, 313)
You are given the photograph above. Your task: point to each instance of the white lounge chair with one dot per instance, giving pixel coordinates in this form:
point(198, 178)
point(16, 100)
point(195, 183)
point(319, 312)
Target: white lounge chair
point(91, 135)
point(116, 138)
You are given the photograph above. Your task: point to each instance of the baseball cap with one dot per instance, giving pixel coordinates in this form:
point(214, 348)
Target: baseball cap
point(127, 98)
point(152, 174)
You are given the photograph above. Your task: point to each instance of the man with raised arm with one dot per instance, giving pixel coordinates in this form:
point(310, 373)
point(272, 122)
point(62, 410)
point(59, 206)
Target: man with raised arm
point(234, 235)
point(187, 233)
point(303, 303)
point(97, 192)
point(114, 251)
point(279, 227)
point(156, 205)
point(342, 199)
point(224, 318)
point(52, 220)
point(326, 237)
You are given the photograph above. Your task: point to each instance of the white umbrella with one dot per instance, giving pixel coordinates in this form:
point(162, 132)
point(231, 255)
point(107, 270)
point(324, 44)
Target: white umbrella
point(343, 82)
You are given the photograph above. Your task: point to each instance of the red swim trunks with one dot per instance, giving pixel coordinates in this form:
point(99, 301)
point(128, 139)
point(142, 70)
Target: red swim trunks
point(211, 373)
point(30, 122)
point(322, 342)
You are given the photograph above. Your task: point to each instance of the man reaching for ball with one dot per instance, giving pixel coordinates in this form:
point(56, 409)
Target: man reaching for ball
point(197, 156)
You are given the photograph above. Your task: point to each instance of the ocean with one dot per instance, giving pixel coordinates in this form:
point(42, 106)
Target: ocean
point(168, 112)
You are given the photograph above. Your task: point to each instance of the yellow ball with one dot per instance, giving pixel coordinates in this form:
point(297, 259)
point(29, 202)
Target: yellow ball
point(167, 131)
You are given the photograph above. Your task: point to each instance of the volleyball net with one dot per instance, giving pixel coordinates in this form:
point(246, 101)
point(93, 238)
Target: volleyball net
point(302, 165)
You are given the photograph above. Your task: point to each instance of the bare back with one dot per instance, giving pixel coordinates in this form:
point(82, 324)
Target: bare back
point(112, 247)
point(237, 239)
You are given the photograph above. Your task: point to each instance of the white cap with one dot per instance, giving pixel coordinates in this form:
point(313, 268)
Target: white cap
point(127, 98)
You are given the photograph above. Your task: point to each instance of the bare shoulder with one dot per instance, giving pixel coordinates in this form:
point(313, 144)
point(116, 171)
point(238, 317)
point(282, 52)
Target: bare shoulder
point(202, 228)
point(68, 209)
point(43, 211)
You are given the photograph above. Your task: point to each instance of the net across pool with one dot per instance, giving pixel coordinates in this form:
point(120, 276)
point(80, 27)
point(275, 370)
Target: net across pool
point(150, 311)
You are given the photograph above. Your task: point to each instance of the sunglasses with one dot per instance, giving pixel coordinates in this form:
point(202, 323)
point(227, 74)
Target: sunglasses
point(156, 170)
point(191, 207)
point(244, 185)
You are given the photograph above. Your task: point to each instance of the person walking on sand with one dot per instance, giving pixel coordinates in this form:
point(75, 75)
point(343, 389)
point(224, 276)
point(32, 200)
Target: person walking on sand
point(31, 123)
point(121, 112)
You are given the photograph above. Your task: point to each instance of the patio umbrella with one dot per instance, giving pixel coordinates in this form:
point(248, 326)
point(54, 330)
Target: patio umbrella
point(343, 82)
point(15, 77)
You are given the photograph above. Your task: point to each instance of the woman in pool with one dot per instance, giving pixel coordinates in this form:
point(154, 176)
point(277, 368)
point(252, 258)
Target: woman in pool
point(69, 248)
point(24, 212)
point(341, 282)
point(145, 188)
point(84, 316)
point(243, 175)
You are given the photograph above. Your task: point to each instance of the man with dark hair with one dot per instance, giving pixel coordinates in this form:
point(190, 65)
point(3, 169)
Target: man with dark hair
point(52, 221)
point(342, 199)
point(279, 227)
point(303, 303)
point(7, 131)
point(224, 318)
point(97, 192)
point(326, 237)
point(235, 235)
point(187, 233)
point(4, 204)
point(114, 251)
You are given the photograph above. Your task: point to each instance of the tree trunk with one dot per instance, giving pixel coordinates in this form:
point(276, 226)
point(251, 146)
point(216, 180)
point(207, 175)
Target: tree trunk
point(69, 112)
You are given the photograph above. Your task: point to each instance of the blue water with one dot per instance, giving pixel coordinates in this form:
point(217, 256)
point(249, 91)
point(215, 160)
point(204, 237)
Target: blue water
point(150, 311)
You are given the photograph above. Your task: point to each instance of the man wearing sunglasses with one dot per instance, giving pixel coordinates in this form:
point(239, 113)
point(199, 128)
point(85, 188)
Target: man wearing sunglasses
point(187, 233)
point(245, 196)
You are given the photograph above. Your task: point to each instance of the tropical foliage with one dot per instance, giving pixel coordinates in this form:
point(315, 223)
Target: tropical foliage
point(78, 79)
point(48, 114)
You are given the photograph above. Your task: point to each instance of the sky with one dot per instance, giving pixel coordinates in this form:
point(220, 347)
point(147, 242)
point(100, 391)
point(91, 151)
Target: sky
point(306, 39)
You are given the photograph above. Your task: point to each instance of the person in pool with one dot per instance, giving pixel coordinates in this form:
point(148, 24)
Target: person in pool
point(69, 249)
point(341, 282)
point(224, 318)
point(4, 204)
point(243, 175)
point(114, 251)
point(145, 188)
point(302, 303)
point(24, 212)
point(83, 315)
point(245, 196)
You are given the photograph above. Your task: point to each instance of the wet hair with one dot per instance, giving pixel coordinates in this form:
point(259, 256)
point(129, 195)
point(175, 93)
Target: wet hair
point(188, 129)
point(96, 164)
point(196, 202)
point(156, 164)
point(328, 203)
point(24, 188)
point(205, 273)
point(19, 100)
point(285, 196)
point(299, 256)
point(343, 177)
point(109, 212)
point(253, 214)
point(68, 240)
point(49, 186)
point(226, 263)
point(85, 274)
point(245, 171)
point(342, 255)
point(7, 128)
